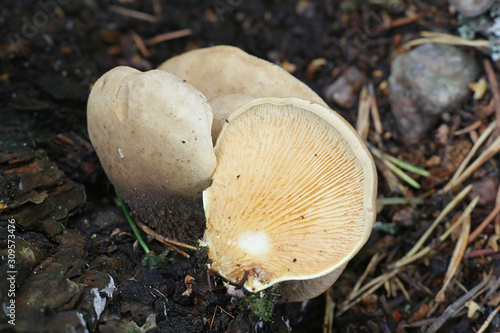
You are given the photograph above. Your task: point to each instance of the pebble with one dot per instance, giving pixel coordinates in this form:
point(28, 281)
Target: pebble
point(426, 82)
point(471, 8)
point(344, 91)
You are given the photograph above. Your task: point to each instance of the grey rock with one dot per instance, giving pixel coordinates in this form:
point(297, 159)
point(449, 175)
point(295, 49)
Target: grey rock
point(426, 82)
point(344, 90)
point(471, 8)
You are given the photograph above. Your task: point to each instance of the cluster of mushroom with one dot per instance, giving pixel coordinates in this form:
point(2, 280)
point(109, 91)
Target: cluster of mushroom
point(288, 187)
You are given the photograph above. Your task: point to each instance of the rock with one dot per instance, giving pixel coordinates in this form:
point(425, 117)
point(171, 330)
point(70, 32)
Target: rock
point(424, 83)
point(486, 189)
point(471, 8)
point(344, 91)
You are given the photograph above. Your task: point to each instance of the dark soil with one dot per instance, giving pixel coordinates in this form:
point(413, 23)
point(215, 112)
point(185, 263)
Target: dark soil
point(78, 267)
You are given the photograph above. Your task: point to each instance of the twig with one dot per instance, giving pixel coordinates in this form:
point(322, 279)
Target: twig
point(156, 236)
point(140, 44)
point(481, 252)
point(400, 22)
point(492, 79)
point(170, 243)
point(169, 36)
point(475, 125)
point(455, 306)
point(222, 310)
point(133, 13)
point(388, 314)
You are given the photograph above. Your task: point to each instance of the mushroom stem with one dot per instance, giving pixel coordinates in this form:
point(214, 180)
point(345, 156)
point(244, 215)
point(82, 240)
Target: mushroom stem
point(152, 134)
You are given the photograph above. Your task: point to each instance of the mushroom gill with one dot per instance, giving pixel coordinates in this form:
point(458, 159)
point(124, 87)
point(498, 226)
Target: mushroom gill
point(293, 194)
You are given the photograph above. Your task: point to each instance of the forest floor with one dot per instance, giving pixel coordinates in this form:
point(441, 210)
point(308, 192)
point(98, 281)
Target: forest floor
point(70, 261)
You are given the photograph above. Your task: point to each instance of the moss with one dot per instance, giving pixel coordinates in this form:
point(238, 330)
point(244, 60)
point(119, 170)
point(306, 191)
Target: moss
point(261, 303)
point(152, 261)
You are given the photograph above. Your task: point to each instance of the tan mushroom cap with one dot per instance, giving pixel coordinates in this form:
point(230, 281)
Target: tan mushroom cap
point(292, 198)
point(225, 70)
point(151, 128)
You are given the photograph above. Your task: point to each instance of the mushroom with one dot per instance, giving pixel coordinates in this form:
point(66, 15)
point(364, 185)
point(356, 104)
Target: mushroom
point(226, 70)
point(152, 134)
point(292, 198)
point(229, 77)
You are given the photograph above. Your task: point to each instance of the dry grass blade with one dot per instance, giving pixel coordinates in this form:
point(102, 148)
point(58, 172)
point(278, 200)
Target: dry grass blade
point(367, 289)
point(488, 320)
point(373, 262)
point(455, 306)
point(489, 152)
point(475, 125)
point(329, 313)
point(402, 288)
point(482, 138)
point(436, 37)
point(456, 258)
point(376, 116)
point(363, 122)
point(441, 216)
point(409, 259)
point(492, 79)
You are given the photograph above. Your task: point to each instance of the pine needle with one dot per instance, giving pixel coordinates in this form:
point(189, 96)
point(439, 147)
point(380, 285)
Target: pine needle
point(440, 217)
point(437, 37)
point(399, 201)
point(395, 169)
point(482, 138)
point(131, 222)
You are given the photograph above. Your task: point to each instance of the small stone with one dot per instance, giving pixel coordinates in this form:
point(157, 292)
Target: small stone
point(344, 91)
point(405, 217)
point(486, 189)
point(426, 82)
point(471, 8)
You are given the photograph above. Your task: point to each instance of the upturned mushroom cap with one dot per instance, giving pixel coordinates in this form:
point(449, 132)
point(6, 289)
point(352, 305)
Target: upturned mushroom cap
point(152, 134)
point(226, 70)
point(292, 198)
